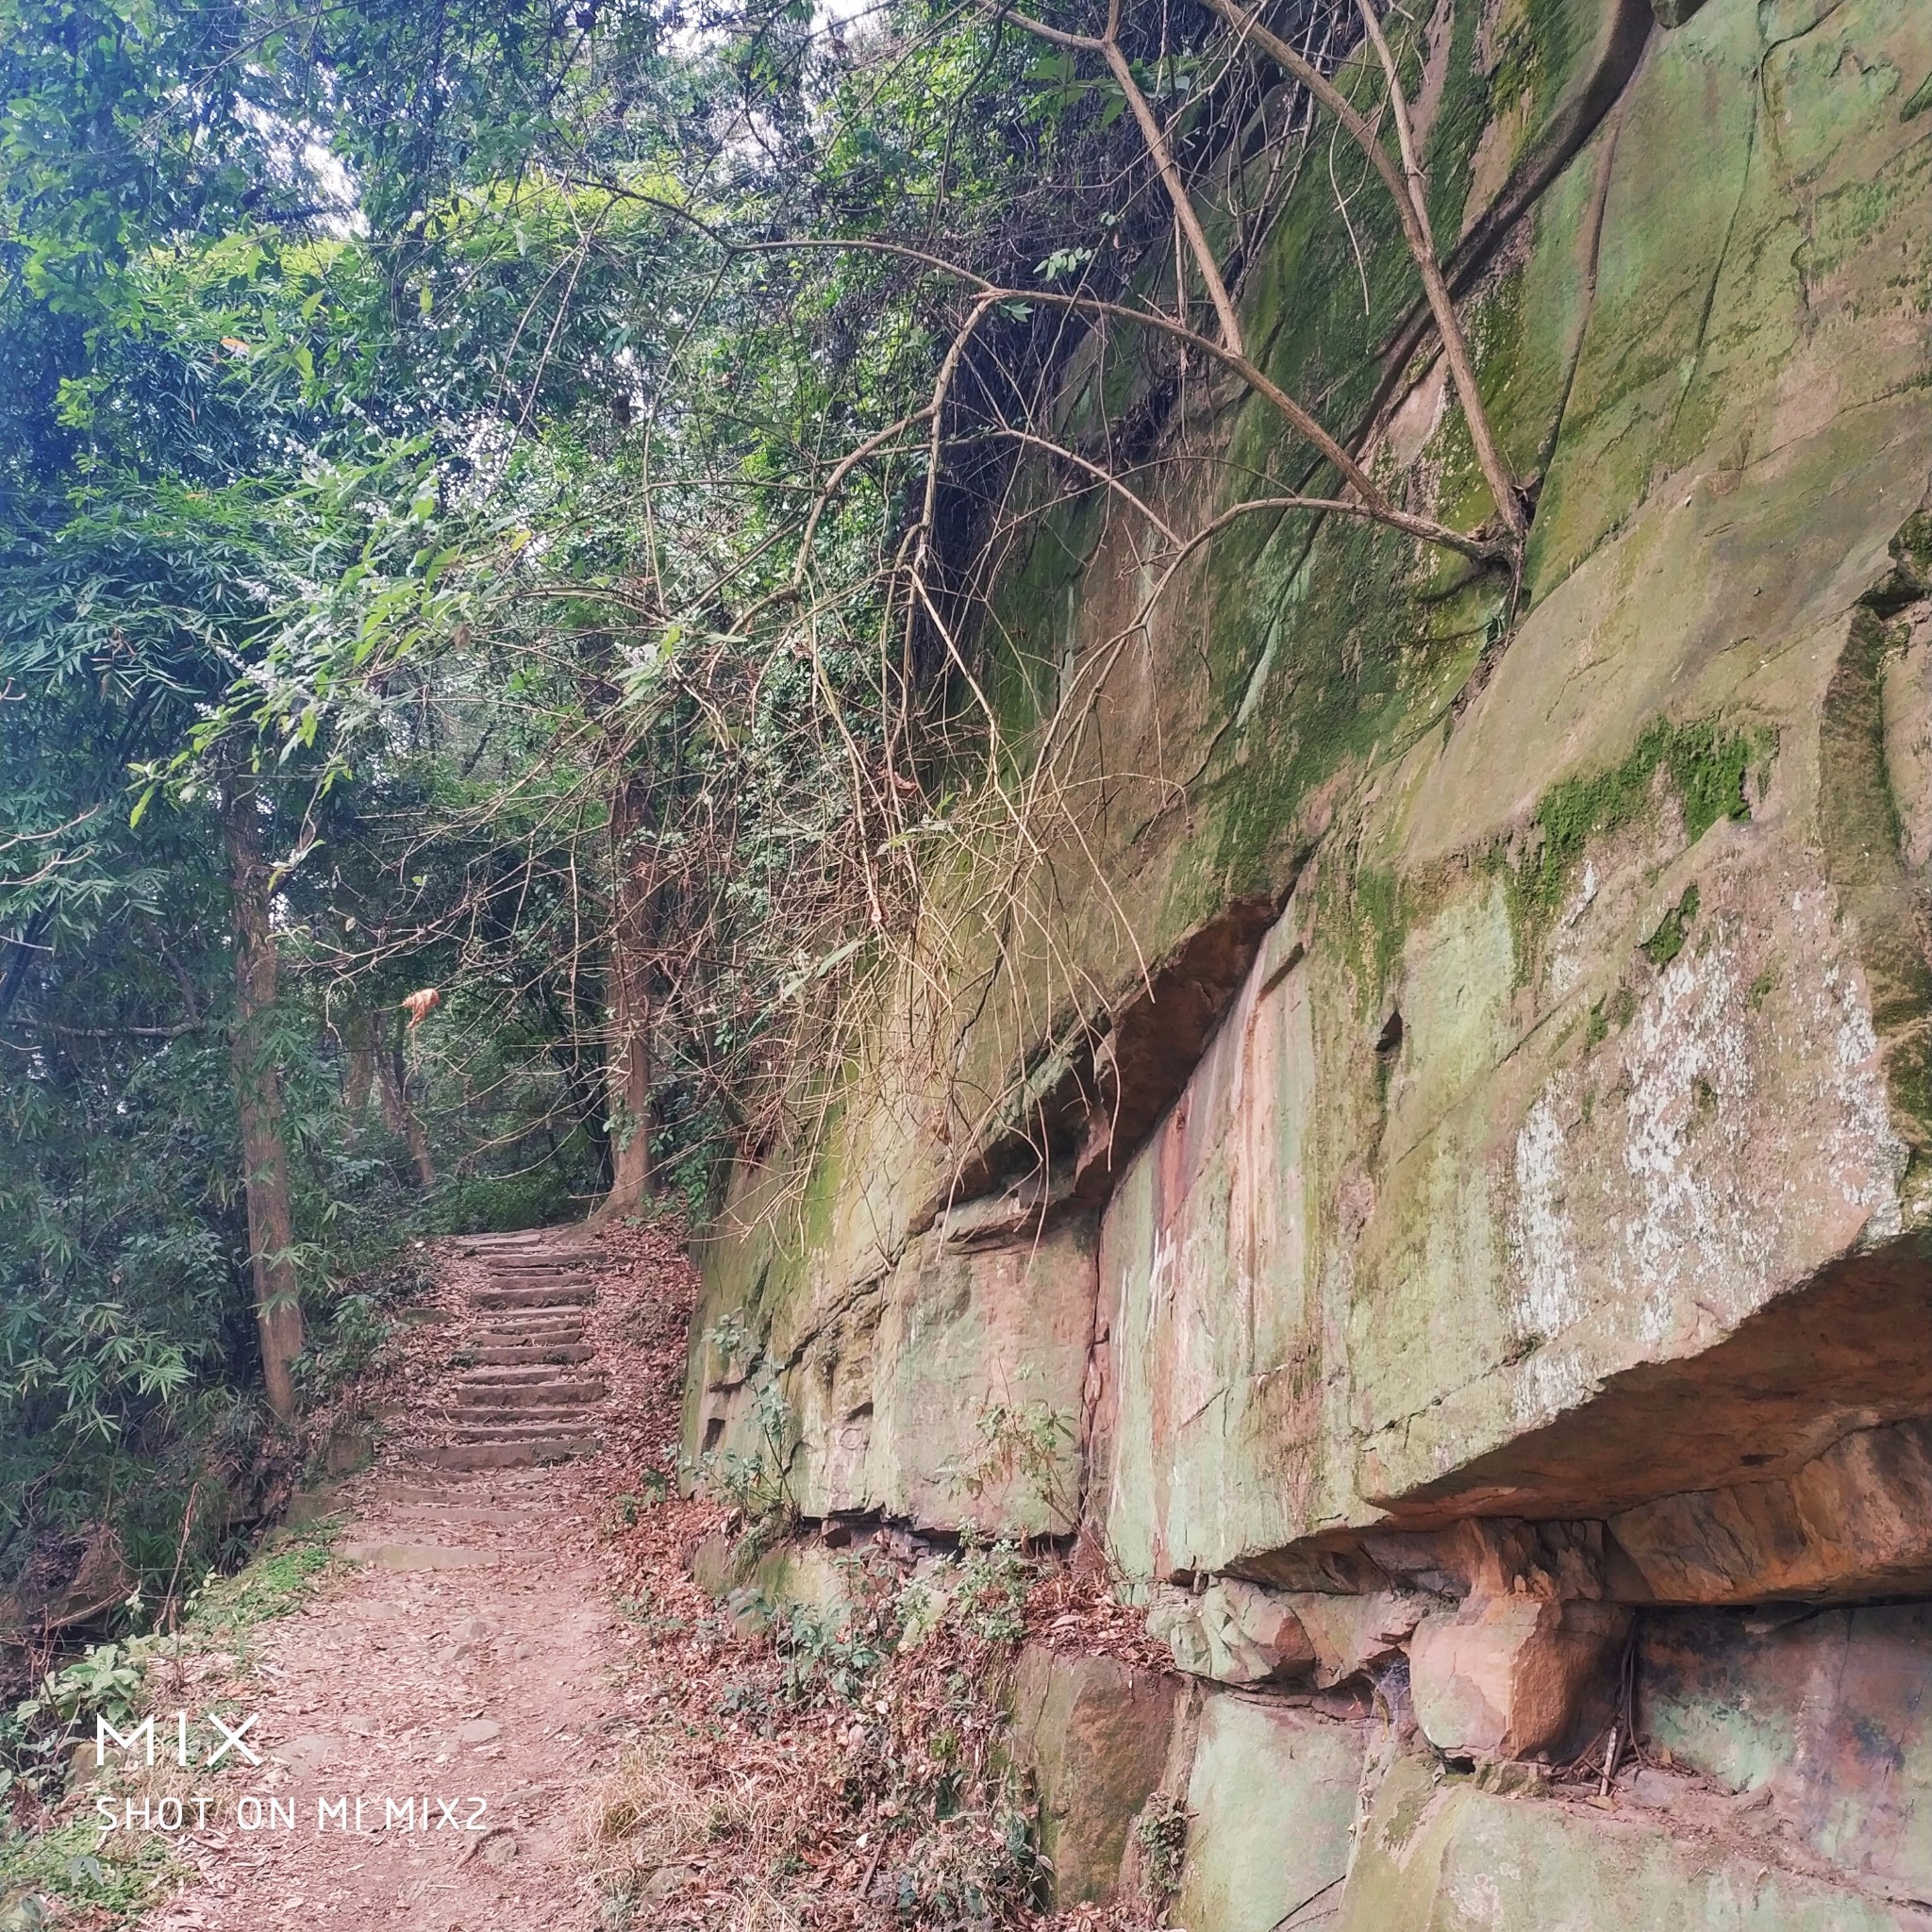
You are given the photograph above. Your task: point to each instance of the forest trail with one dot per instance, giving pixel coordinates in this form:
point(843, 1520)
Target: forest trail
point(457, 1677)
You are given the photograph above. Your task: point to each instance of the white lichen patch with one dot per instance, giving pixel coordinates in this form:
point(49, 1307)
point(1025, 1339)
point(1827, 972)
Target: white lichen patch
point(1747, 1142)
point(1867, 1157)
point(1697, 1228)
point(1548, 1298)
point(1553, 1380)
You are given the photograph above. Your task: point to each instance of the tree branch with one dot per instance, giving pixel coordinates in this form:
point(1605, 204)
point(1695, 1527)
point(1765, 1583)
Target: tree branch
point(1357, 477)
point(1405, 190)
point(1158, 147)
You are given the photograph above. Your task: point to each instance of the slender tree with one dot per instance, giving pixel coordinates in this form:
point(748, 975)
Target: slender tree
point(258, 1094)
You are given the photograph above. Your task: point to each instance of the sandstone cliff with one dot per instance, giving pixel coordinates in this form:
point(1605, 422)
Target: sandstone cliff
point(1444, 1198)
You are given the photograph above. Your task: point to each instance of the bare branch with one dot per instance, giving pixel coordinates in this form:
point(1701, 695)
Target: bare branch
point(847, 463)
point(1158, 147)
point(1411, 212)
point(1374, 499)
point(1093, 470)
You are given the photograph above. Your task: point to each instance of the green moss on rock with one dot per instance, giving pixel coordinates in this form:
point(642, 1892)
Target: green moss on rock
point(1704, 765)
point(1667, 941)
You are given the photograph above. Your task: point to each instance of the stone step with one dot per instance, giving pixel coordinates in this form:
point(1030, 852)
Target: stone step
point(503, 1401)
point(530, 1424)
point(423, 1492)
point(512, 1425)
point(520, 1426)
point(568, 1286)
point(536, 1362)
point(554, 1354)
point(522, 1375)
point(467, 1402)
point(419, 1557)
point(469, 1395)
point(503, 1328)
point(525, 1318)
point(562, 1296)
point(527, 1321)
point(499, 1455)
point(458, 1512)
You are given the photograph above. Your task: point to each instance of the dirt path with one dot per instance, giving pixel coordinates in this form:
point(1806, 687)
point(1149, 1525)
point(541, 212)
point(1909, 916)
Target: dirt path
point(457, 1686)
point(518, 1643)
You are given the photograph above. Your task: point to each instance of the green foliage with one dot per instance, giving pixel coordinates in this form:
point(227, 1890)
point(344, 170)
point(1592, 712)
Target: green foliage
point(421, 455)
point(753, 1481)
point(832, 1660)
point(1161, 1833)
point(275, 1583)
point(1027, 1445)
point(106, 1682)
point(68, 1866)
point(49, 1875)
point(991, 1595)
point(832, 1655)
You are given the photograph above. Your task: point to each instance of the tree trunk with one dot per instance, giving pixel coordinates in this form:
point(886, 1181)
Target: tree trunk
point(358, 1039)
point(392, 1073)
point(259, 1100)
point(629, 1077)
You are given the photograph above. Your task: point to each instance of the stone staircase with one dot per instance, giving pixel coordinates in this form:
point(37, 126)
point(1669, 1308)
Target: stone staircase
point(525, 1387)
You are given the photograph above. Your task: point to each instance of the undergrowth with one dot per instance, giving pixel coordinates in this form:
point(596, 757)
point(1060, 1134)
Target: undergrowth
point(55, 1861)
point(279, 1580)
point(49, 1875)
point(863, 1756)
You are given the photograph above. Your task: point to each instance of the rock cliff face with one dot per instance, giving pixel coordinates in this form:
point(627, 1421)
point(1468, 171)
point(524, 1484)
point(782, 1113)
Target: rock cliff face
point(1460, 1238)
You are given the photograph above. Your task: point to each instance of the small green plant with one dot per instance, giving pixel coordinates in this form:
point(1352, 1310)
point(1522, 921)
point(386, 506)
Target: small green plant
point(990, 1599)
point(1161, 1834)
point(279, 1580)
point(753, 1482)
point(736, 1345)
point(346, 1332)
point(827, 1661)
point(65, 1874)
point(923, 1606)
point(106, 1682)
point(653, 1487)
point(1025, 1446)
